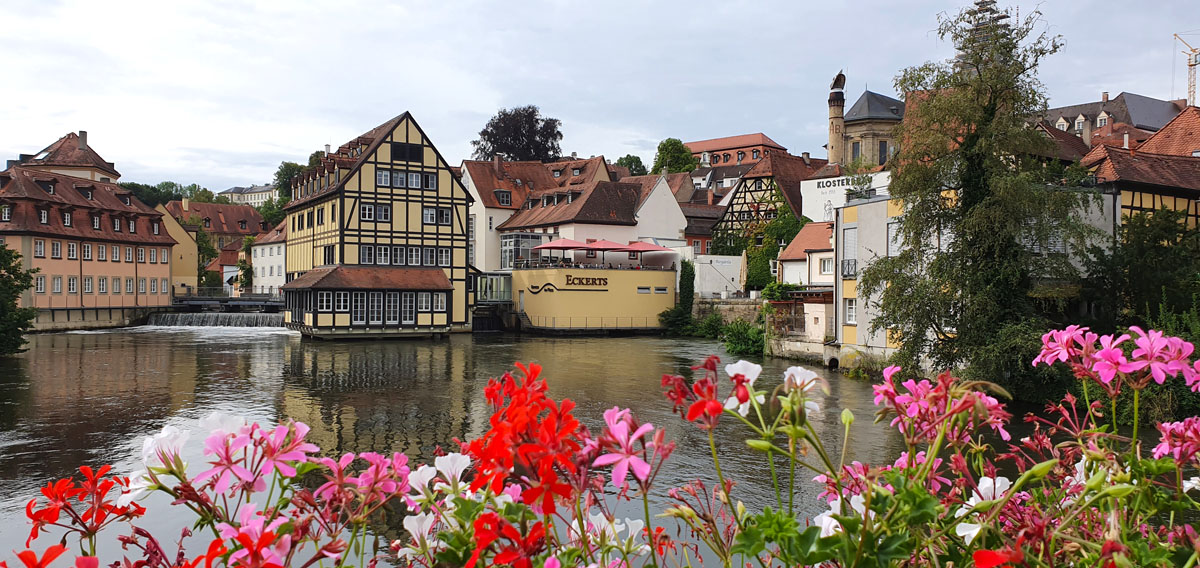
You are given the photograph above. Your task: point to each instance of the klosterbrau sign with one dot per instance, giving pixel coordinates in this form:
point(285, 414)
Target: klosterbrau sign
point(578, 281)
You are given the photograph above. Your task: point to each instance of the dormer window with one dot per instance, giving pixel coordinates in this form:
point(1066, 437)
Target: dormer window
point(116, 225)
point(754, 154)
point(557, 173)
point(504, 198)
point(207, 223)
point(741, 156)
point(89, 195)
point(96, 222)
point(5, 212)
point(44, 216)
point(574, 171)
point(125, 199)
point(1101, 122)
point(1061, 124)
point(66, 218)
point(154, 227)
point(1079, 123)
point(242, 224)
point(132, 226)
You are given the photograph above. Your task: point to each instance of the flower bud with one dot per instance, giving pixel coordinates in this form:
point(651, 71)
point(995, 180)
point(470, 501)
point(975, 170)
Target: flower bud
point(1040, 470)
point(741, 509)
point(760, 445)
point(847, 417)
point(1119, 491)
point(1095, 481)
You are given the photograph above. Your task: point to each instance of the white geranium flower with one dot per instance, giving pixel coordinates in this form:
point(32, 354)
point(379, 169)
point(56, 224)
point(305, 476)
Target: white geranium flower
point(218, 422)
point(137, 486)
point(419, 525)
point(967, 531)
point(167, 443)
point(1190, 484)
point(419, 479)
point(744, 407)
point(830, 525)
point(451, 466)
point(988, 489)
point(805, 380)
point(746, 368)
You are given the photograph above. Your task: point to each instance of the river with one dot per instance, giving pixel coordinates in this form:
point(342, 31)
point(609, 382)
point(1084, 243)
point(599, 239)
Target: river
point(90, 398)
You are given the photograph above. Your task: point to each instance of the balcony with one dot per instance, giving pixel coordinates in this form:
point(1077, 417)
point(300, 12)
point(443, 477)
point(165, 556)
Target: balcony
point(849, 268)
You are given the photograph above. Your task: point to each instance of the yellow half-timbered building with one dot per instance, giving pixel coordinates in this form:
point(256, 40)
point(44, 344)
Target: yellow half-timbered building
point(377, 240)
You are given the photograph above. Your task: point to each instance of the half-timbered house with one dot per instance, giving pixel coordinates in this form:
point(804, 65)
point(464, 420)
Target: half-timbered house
point(377, 240)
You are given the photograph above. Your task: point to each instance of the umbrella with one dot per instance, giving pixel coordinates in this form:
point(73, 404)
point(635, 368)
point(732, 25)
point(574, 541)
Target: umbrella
point(561, 244)
point(641, 247)
point(602, 246)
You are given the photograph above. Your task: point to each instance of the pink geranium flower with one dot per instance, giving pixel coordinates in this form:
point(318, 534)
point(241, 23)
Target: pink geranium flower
point(286, 444)
point(226, 469)
point(1110, 359)
point(624, 458)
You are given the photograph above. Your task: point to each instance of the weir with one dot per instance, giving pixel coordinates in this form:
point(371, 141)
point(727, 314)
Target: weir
point(217, 319)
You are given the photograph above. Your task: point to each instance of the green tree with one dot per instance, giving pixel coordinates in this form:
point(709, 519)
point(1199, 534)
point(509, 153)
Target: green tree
point(203, 195)
point(272, 212)
point(314, 159)
point(205, 250)
point(675, 156)
point(245, 269)
point(519, 133)
point(966, 280)
point(14, 321)
point(151, 195)
point(634, 163)
point(283, 179)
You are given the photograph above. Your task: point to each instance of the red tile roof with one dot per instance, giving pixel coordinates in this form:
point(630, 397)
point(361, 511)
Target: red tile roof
point(1179, 137)
point(536, 177)
point(812, 236)
point(371, 278)
point(1111, 164)
point(677, 182)
point(224, 219)
point(1113, 134)
point(728, 142)
point(597, 202)
point(66, 152)
point(25, 190)
point(1067, 146)
point(228, 256)
point(788, 171)
point(701, 218)
point(275, 235)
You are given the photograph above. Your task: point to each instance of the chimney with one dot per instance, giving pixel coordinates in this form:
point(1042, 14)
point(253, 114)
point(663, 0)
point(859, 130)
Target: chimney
point(83, 140)
point(1125, 143)
point(1104, 97)
point(496, 163)
point(805, 156)
point(664, 170)
point(837, 122)
point(710, 196)
point(574, 155)
point(327, 149)
point(185, 204)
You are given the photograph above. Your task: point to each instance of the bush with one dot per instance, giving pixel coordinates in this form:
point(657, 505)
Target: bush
point(710, 326)
point(743, 338)
point(676, 321)
point(776, 291)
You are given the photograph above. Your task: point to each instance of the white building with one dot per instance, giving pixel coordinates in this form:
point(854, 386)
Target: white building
point(254, 195)
point(821, 197)
point(808, 259)
point(267, 258)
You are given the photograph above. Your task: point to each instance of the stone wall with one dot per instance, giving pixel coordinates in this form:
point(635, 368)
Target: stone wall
point(67, 319)
point(800, 349)
point(730, 309)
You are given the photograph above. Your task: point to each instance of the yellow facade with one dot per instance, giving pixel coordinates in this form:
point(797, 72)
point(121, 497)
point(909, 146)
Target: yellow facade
point(850, 214)
point(349, 206)
point(184, 255)
point(582, 299)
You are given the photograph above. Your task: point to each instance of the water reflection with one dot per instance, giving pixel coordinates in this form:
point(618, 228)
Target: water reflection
point(90, 397)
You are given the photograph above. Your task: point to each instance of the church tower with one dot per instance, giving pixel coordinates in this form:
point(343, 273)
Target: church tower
point(837, 131)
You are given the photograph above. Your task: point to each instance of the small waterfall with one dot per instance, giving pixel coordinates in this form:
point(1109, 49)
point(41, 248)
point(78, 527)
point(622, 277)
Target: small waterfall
point(217, 319)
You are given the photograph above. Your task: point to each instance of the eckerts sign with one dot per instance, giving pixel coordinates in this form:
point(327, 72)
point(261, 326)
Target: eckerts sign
point(577, 281)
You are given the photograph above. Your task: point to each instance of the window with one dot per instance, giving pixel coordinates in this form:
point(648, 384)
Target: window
point(575, 171)
point(633, 256)
point(414, 180)
point(382, 254)
point(366, 254)
point(423, 301)
point(660, 289)
point(153, 256)
point(557, 173)
point(893, 237)
point(826, 266)
point(153, 285)
point(851, 317)
point(73, 285)
point(741, 156)
point(87, 284)
point(128, 254)
point(430, 181)
point(39, 284)
point(1079, 123)
point(56, 285)
point(696, 246)
point(850, 242)
point(207, 223)
point(408, 307)
point(117, 225)
point(320, 216)
point(429, 253)
point(439, 302)
point(883, 152)
point(429, 215)
point(87, 251)
point(154, 226)
point(398, 179)
point(414, 256)
point(774, 267)
point(141, 285)
point(398, 255)
point(162, 286)
point(141, 255)
point(502, 197)
point(44, 216)
point(342, 301)
point(366, 211)
point(102, 285)
point(444, 216)
point(324, 301)
point(128, 285)
point(383, 178)
point(855, 150)
point(328, 254)
point(383, 212)
point(444, 256)
point(133, 226)
point(1102, 121)
point(308, 223)
point(55, 249)
point(116, 253)
point(754, 154)
point(407, 152)
point(72, 251)
point(66, 218)
point(6, 213)
point(96, 222)
point(391, 313)
point(358, 314)
point(39, 248)
point(643, 290)
point(162, 256)
point(101, 252)
point(1061, 125)
point(375, 314)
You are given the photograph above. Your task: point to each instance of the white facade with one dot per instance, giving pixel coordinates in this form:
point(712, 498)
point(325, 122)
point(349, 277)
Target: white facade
point(821, 197)
point(268, 262)
point(717, 274)
point(254, 195)
point(484, 246)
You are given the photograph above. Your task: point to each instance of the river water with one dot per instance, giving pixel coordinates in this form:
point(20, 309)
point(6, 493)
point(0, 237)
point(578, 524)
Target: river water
point(90, 398)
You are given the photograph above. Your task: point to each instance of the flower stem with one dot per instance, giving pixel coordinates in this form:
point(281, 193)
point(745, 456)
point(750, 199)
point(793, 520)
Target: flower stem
point(649, 528)
point(712, 446)
point(1136, 392)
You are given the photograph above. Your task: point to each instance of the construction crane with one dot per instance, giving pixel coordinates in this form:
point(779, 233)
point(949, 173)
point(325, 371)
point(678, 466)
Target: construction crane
point(1193, 61)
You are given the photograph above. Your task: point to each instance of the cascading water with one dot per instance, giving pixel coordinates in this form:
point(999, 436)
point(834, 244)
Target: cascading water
point(217, 319)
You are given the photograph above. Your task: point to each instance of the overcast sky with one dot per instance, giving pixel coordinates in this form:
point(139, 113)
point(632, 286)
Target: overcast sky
point(218, 93)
